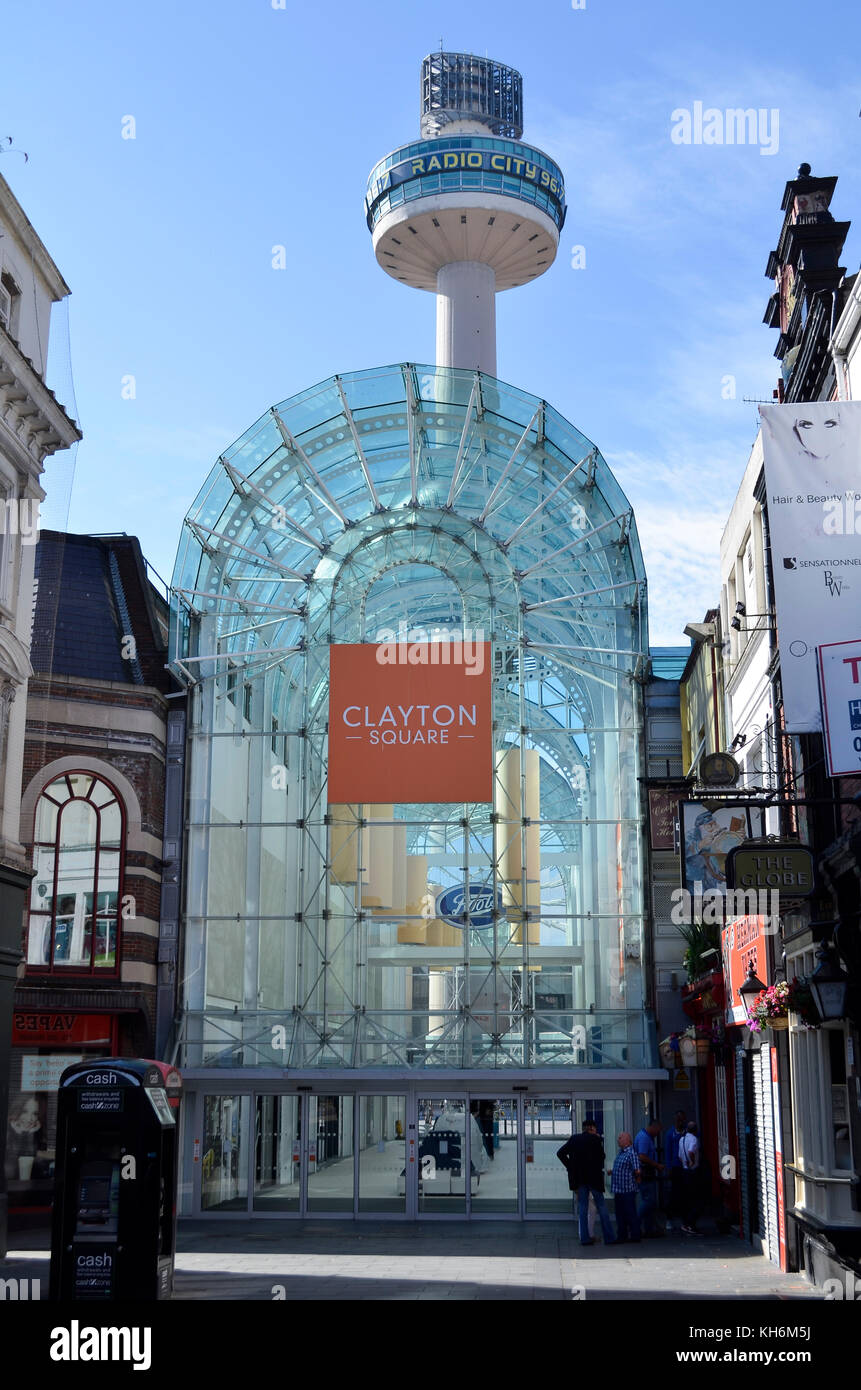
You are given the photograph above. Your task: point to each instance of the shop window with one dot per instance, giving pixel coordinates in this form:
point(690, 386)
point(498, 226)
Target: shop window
point(76, 894)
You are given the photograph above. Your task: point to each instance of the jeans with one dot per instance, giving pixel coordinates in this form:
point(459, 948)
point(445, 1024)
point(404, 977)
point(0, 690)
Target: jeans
point(627, 1220)
point(649, 1206)
point(581, 1208)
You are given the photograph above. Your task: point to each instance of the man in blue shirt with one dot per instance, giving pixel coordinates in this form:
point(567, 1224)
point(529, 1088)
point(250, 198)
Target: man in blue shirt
point(624, 1182)
point(647, 1152)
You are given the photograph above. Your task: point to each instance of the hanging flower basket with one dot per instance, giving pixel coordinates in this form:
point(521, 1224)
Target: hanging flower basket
point(772, 1006)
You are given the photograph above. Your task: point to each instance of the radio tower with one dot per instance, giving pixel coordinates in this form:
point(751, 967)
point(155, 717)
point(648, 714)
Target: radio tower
point(468, 209)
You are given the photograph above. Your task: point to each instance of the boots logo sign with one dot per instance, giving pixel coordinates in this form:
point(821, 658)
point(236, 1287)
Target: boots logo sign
point(418, 731)
point(476, 899)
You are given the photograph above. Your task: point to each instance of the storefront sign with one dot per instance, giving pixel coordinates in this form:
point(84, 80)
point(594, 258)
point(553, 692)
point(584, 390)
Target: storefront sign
point(43, 1073)
point(477, 899)
point(31, 1029)
point(663, 813)
point(410, 722)
point(840, 687)
point(744, 942)
point(811, 453)
point(787, 868)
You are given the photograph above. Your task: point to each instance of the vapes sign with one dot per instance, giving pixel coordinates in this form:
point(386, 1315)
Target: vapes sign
point(418, 730)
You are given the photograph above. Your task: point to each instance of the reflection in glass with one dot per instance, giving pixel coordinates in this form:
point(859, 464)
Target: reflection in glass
point(75, 895)
point(495, 1188)
point(445, 1130)
point(224, 1165)
point(277, 1154)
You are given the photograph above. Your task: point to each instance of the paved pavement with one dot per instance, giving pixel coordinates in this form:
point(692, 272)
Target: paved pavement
point(333, 1260)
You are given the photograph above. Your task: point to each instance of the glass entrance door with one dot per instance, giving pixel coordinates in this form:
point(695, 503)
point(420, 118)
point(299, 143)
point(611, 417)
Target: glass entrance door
point(330, 1166)
point(495, 1155)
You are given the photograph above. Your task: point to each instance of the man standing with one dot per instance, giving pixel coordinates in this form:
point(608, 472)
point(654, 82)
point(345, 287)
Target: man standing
point(650, 1168)
point(689, 1155)
point(583, 1157)
point(675, 1205)
point(624, 1181)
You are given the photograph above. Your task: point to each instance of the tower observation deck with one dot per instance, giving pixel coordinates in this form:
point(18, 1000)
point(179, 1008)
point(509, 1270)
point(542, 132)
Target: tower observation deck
point(468, 209)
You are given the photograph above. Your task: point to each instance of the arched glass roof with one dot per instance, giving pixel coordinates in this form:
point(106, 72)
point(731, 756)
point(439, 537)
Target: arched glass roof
point(377, 472)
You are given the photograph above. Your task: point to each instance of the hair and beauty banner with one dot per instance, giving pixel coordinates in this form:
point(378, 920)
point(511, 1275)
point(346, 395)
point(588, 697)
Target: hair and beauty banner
point(812, 458)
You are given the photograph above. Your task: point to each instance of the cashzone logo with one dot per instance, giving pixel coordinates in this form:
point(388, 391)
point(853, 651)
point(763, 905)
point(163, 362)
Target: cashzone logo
point(417, 732)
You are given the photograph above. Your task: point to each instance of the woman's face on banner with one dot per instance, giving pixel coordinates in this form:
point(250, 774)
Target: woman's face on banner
point(818, 438)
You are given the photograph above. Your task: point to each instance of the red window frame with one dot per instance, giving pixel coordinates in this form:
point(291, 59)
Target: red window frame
point(53, 967)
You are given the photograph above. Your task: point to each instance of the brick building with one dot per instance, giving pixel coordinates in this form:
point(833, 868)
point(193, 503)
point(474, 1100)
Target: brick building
point(93, 822)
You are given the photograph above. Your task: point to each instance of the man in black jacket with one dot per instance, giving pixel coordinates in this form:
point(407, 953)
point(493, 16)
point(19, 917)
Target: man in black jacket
point(583, 1157)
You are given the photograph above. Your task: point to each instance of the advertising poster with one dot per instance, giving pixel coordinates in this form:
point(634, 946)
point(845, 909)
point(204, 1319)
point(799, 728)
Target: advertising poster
point(840, 681)
point(744, 942)
point(707, 838)
point(812, 458)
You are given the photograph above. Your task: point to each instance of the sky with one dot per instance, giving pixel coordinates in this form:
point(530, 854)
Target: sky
point(256, 123)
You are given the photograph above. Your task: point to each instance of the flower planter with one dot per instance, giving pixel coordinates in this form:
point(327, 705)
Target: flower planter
point(704, 1048)
point(778, 1024)
point(688, 1052)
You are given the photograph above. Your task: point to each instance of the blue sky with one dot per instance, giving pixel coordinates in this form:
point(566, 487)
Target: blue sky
point(257, 126)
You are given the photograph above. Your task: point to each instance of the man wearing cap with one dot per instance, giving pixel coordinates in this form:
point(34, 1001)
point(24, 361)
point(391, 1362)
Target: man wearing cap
point(583, 1157)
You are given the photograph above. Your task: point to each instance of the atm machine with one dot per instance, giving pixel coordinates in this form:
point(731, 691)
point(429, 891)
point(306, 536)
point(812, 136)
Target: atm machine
point(114, 1219)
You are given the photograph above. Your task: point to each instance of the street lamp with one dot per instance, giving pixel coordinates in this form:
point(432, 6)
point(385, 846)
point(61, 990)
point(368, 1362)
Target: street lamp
point(829, 985)
point(751, 986)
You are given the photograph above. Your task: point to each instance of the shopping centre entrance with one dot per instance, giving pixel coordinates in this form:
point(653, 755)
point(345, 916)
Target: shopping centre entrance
point(418, 1151)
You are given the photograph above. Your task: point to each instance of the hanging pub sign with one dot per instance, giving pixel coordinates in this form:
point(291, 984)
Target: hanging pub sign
point(786, 868)
point(410, 722)
point(719, 770)
point(708, 836)
point(663, 813)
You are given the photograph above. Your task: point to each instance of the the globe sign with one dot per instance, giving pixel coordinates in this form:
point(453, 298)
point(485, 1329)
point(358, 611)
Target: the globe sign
point(476, 899)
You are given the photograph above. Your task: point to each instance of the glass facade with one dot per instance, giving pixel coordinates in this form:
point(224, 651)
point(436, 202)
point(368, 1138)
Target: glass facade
point(446, 502)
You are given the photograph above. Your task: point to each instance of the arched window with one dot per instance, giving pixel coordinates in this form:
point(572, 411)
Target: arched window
point(75, 896)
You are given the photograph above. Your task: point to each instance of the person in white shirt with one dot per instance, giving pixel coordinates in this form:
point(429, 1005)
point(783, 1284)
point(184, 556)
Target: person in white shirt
point(689, 1156)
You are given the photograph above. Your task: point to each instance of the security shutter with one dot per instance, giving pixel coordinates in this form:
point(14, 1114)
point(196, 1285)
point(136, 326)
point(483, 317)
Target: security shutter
point(766, 1176)
point(742, 1120)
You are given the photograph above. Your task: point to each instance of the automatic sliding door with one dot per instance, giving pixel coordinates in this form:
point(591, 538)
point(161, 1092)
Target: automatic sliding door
point(278, 1152)
point(383, 1154)
point(330, 1154)
point(445, 1127)
point(547, 1124)
point(494, 1156)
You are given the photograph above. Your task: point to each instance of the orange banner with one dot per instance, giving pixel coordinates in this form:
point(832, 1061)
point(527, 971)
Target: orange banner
point(410, 722)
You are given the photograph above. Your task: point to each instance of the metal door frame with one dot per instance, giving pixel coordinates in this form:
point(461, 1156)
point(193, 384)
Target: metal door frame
point(411, 1091)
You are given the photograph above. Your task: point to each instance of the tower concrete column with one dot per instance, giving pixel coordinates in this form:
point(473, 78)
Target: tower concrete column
point(466, 316)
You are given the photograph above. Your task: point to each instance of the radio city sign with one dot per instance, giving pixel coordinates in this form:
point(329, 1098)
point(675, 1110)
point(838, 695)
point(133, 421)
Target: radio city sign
point(419, 731)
